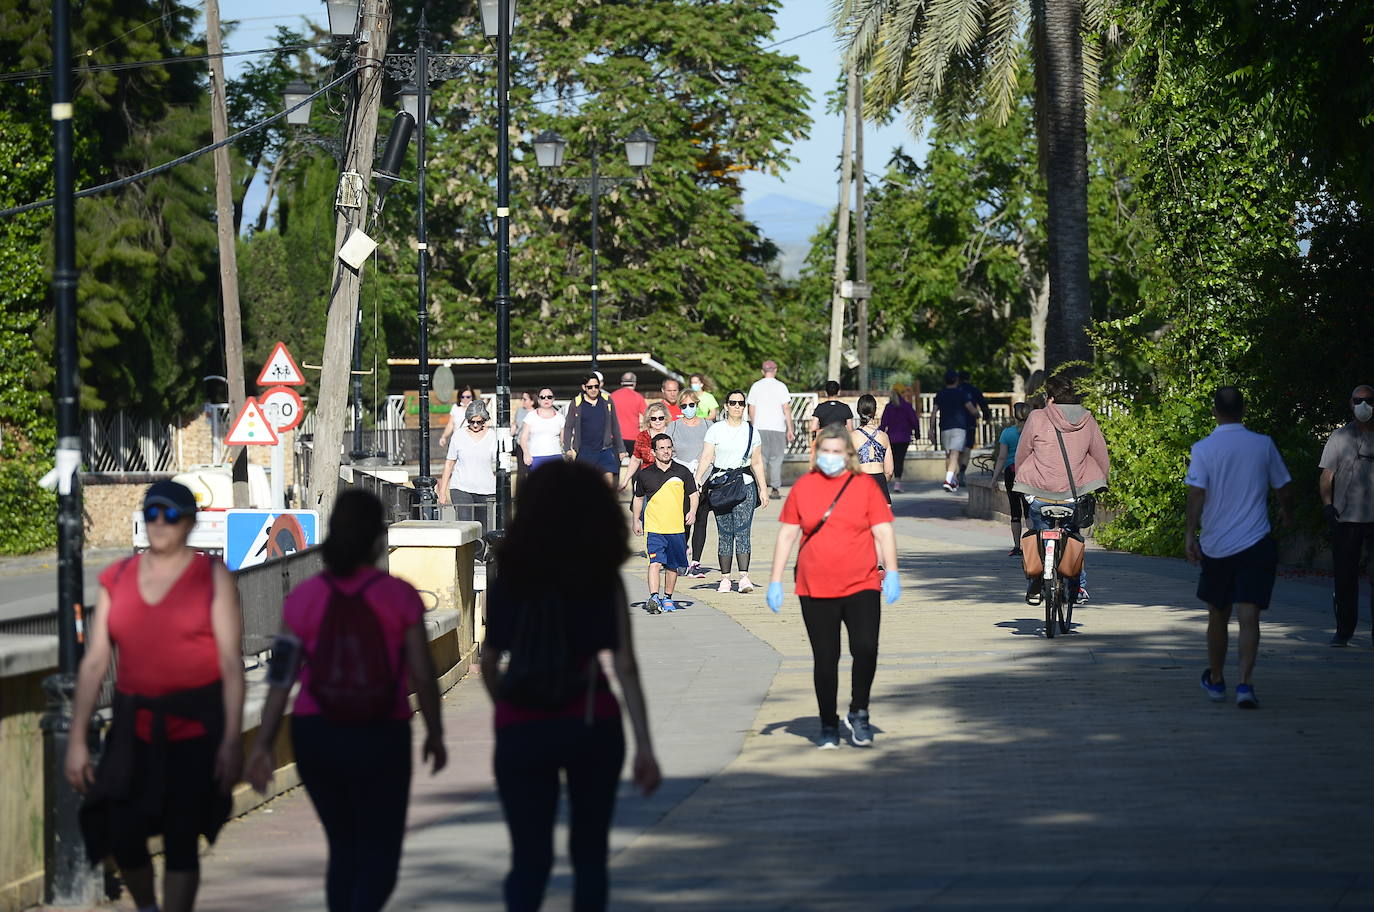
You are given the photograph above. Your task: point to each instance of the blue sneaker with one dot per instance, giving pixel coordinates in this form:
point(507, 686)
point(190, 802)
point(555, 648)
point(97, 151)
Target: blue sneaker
point(1245, 697)
point(667, 604)
point(830, 738)
point(860, 731)
point(1216, 690)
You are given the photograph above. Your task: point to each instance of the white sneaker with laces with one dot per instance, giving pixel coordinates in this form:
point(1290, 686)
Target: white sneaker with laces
point(724, 585)
point(745, 584)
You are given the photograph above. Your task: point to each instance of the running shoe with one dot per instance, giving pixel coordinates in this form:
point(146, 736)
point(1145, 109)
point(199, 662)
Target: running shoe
point(830, 738)
point(860, 731)
point(1033, 587)
point(1216, 690)
point(745, 583)
point(724, 585)
point(1014, 552)
point(1082, 593)
point(774, 493)
point(696, 571)
point(667, 603)
point(1245, 697)
point(896, 487)
point(653, 605)
point(1338, 640)
point(950, 488)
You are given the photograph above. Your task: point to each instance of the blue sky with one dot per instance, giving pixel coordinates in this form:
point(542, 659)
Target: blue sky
point(789, 207)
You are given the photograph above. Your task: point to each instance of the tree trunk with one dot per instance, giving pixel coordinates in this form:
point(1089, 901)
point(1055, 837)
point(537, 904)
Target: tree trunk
point(1063, 144)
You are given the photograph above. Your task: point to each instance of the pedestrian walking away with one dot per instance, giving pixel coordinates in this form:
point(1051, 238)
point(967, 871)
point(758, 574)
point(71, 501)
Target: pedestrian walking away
point(592, 431)
point(1005, 468)
point(841, 517)
point(954, 414)
point(1347, 493)
point(457, 413)
point(732, 464)
point(770, 412)
point(555, 714)
point(901, 422)
point(353, 635)
point(873, 446)
point(1229, 476)
point(981, 412)
point(670, 390)
point(643, 452)
point(471, 469)
point(664, 506)
point(517, 422)
point(689, 437)
point(830, 410)
point(630, 405)
point(1061, 451)
point(174, 750)
point(708, 406)
point(541, 434)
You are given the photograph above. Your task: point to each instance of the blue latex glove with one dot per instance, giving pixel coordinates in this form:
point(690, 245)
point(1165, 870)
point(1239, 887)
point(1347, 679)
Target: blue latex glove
point(892, 586)
point(775, 597)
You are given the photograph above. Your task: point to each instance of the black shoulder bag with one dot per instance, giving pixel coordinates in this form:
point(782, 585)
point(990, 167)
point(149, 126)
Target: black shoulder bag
point(1085, 507)
point(828, 510)
point(728, 489)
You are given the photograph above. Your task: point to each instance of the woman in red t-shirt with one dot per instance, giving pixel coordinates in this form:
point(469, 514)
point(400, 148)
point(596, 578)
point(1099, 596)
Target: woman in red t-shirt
point(840, 514)
point(174, 748)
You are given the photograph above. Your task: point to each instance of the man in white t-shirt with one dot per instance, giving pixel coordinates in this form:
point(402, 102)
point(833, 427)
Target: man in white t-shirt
point(770, 411)
point(1229, 477)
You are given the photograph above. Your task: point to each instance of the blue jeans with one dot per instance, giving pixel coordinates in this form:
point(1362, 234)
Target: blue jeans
point(1038, 524)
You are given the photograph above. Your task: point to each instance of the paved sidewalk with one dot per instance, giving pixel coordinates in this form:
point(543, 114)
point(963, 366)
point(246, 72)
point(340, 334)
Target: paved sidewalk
point(1010, 771)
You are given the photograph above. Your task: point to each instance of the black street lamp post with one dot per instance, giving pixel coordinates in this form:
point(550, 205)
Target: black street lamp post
point(549, 150)
point(505, 12)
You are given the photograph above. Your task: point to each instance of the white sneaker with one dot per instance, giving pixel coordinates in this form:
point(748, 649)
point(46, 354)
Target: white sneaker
point(724, 585)
point(745, 584)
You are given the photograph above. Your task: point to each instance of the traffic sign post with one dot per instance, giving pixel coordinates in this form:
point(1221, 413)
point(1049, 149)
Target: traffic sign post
point(284, 410)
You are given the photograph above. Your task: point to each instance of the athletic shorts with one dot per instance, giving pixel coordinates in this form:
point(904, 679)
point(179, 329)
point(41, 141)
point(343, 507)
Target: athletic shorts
point(1246, 577)
point(606, 460)
point(667, 548)
point(953, 439)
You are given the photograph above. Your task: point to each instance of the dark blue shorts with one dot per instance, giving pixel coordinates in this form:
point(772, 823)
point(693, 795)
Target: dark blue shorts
point(667, 548)
point(1246, 577)
point(606, 460)
point(537, 461)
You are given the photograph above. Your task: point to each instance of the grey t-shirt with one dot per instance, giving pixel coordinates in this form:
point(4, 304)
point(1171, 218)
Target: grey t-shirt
point(1349, 454)
point(688, 441)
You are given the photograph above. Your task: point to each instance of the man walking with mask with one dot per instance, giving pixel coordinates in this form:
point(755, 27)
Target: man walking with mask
point(1347, 493)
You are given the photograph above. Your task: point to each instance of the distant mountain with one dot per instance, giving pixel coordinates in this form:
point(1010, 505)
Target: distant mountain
point(789, 223)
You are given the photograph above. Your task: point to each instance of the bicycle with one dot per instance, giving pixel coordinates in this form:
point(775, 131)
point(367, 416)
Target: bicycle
point(1058, 593)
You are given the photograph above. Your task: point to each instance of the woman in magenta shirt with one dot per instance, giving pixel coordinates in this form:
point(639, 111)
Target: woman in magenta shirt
point(357, 773)
point(902, 422)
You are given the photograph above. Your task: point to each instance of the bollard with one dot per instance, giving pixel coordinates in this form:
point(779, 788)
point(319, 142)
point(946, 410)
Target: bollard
point(72, 881)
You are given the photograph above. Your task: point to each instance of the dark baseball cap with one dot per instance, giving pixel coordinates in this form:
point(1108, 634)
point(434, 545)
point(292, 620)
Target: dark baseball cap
point(170, 494)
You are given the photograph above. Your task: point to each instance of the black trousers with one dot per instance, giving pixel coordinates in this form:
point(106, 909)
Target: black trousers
point(699, 528)
point(1347, 554)
point(358, 778)
point(189, 767)
point(899, 458)
point(860, 613)
point(529, 758)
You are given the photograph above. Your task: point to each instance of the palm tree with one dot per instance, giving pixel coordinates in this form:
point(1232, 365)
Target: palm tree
point(965, 54)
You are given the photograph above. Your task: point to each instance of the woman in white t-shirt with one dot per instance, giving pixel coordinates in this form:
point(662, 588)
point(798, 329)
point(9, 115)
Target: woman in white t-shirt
point(471, 465)
point(541, 433)
point(733, 444)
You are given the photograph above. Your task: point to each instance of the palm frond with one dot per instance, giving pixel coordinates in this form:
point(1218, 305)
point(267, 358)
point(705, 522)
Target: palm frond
point(1003, 58)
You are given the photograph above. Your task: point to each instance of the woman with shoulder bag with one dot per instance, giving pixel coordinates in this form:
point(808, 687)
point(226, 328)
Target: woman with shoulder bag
point(732, 466)
point(1061, 458)
point(841, 516)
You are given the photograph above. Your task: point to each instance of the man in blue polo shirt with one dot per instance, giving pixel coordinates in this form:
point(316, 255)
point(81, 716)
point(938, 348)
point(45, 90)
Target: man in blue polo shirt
point(1229, 477)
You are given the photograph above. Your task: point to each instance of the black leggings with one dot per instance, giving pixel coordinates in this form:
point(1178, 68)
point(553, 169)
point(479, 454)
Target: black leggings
point(699, 528)
point(188, 785)
point(1014, 500)
point(358, 777)
point(529, 756)
point(898, 457)
point(860, 613)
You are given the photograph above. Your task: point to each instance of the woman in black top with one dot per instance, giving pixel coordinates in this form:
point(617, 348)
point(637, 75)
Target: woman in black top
point(554, 710)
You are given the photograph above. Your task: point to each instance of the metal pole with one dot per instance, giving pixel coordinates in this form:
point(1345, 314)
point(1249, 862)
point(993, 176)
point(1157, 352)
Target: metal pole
point(424, 484)
point(596, 244)
point(68, 879)
point(358, 453)
point(504, 455)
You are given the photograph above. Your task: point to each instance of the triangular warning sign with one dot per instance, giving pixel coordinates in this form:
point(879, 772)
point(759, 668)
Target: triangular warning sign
point(250, 427)
point(281, 369)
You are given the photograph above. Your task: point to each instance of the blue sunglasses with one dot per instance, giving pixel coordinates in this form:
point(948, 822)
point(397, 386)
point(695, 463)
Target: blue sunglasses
point(157, 511)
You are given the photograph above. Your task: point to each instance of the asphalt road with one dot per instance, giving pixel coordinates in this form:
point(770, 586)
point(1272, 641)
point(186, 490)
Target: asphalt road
point(28, 585)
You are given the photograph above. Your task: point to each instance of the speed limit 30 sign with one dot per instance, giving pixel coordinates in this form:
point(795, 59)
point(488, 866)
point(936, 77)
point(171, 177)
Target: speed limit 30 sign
point(283, 407)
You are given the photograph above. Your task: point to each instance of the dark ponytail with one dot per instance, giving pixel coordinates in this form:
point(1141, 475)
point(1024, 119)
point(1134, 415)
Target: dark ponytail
point(354, 527)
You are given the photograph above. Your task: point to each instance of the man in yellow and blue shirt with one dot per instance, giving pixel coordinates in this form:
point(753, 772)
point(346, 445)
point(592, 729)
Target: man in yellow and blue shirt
point(665, 504)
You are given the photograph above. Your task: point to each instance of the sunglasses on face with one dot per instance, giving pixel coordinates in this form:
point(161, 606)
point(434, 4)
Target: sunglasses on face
point(658, 418)
point(739, 403)
point(1356, 400)
point(542, 396)
point(592, 386)
point(465, 396)
point(171, 515)
point(477, 422)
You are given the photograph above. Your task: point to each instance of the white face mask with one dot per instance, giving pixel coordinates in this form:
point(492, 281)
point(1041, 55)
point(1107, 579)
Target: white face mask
point(1364, 411)
point(689, 411)
point(831, 464)
point(696, 387)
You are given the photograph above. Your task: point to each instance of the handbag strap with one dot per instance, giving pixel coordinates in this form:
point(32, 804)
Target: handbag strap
point(748, 445)
point(1064, 451)
point(828, 510)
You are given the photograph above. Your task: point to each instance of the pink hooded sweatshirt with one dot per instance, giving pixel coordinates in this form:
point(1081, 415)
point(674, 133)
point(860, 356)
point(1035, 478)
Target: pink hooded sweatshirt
point(1040, 470)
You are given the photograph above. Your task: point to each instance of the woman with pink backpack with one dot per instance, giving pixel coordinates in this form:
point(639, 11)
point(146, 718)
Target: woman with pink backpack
point(353, 635)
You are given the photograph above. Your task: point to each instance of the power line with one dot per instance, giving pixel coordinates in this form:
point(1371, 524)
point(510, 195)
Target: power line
point(166, 61)
point(167, 166)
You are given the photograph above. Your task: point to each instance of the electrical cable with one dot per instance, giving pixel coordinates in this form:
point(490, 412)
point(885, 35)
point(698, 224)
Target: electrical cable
point(167, 166)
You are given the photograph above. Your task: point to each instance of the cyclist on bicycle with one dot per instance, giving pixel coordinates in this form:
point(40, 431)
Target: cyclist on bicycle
point(1041, 473)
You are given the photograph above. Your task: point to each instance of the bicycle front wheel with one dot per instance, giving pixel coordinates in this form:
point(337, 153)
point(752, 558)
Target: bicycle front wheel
point(1051, 593)
point(1064, 606)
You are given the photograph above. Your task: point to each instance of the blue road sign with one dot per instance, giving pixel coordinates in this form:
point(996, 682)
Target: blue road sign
point(254, 536)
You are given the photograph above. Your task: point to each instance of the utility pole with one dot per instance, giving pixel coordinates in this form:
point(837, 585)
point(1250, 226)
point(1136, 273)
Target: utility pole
point(832, 371)
point(69, 879)
point(861, 291)
point(228, 253)
point(360, 129)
